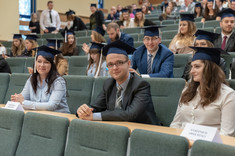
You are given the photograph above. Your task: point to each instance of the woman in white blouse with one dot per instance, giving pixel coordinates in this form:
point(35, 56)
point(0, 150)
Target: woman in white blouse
point(207, 100)
point(45, 89)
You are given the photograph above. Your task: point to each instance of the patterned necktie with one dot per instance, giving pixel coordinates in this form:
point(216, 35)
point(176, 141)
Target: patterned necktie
point(224, 43)
point(149, 68)
point(50, 16)
point(118, 103)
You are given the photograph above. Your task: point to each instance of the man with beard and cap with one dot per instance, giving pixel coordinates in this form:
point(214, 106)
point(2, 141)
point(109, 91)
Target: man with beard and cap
point(114, 33)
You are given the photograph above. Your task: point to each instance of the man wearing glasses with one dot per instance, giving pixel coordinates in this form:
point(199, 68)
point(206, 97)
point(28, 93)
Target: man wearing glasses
point(153, 59)
point(125, 96)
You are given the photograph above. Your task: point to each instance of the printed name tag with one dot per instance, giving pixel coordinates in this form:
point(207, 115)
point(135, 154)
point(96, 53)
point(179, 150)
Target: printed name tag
point(198, 132)
point(14, 106)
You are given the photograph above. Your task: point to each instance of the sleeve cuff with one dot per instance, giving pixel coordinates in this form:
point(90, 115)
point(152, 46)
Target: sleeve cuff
point(145, 76)
point(97, 116)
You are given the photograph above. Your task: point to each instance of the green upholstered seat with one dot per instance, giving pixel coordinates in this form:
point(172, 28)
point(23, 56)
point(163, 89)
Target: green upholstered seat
point(4, 77)
point(29, 62)
point(78, 65)
point(17, 64)
point(180, 60)
point(150, 143)
point(165, 95)
point(88, 138)
point(43, 135)
point(11, 122)
point(16, 85)
point(205, 148)
point(97, 88)
point(79, 90)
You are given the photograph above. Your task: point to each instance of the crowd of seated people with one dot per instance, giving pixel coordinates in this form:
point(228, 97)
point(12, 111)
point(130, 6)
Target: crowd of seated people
point(125, 95)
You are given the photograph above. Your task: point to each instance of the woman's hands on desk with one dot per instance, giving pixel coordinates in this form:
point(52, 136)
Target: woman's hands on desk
point(84, 112)
point(17, 98)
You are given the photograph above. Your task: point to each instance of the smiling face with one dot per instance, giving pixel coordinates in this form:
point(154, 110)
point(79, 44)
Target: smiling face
point(183, 27)
point(197, 70)
point(125, 15)
point(118, 65)
point(139, 15)
point(43, 66)
point(151, 43)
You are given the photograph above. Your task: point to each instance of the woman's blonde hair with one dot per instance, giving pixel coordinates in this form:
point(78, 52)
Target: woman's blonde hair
point(98, 37)
point(127, 21)
point(34, 45)
point(17, 51)
point(188, 38)
point(139, 23)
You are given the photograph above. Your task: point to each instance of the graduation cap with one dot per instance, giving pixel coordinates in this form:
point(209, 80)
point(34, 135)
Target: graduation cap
point(31, 37)
point(98, 46)
point(206, 35)
point(210, 54)
point(138, 10)
point(226, 13)
point(17, 36)
point(152, 30)
point(198, 5)
point(118, 47)
point(46, 51)
point(125, 10)
point(93, 4)
point(100, 30)
point(187, 17)
point(54, 43)
point(70, 12)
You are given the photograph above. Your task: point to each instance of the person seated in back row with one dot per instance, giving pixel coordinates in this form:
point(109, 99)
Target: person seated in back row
point(153, 59)
point(125, 96)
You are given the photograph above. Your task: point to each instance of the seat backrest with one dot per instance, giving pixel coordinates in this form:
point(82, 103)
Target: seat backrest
point(97, 88)
point(11, 122)
point(16, 64)
point(213, 23)
point(81, 40)
point(79, 90)
point(16, 85)
point(165, 95)
point(205, 148)
point(169, 35)
point(43, 135)
point(92, 138)
point(132, 30)
point(180, 61)
point(166, 42)
point(149, 143)
point(4, 77)
point(29, 62)
point(78, 65)
point(232, 83)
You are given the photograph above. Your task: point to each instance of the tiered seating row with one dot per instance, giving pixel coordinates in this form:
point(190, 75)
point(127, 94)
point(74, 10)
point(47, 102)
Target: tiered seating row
point(39, 134)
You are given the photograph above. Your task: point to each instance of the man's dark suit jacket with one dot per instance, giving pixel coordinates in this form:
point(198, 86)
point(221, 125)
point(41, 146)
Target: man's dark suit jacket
point(125, 38)
point(137, 105)
point(230, 45)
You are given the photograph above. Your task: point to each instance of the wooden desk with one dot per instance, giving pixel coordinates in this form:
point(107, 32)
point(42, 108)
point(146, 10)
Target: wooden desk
point(131, 125)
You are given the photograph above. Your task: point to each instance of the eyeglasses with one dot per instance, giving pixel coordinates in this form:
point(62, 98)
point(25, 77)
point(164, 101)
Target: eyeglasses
point(153, 39)
point(117, 64)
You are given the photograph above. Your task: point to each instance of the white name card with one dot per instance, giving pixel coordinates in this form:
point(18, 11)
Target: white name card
point(198, 132)
point(14, 106)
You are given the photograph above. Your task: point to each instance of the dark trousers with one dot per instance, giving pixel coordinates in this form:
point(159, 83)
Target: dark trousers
point(50, 29)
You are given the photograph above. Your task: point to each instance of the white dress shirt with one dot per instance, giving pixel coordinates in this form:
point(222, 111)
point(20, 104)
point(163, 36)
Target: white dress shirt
point(219, 114)
point(45, 20)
